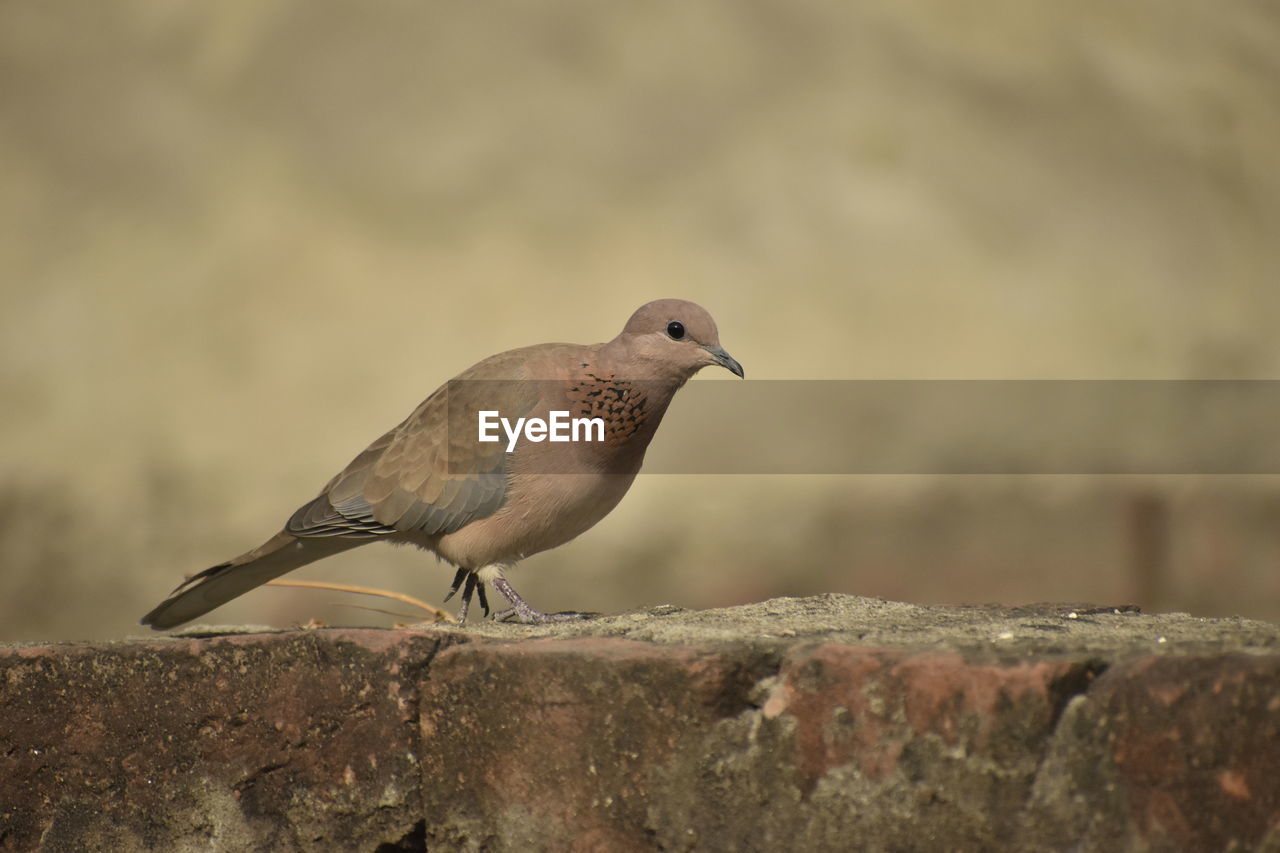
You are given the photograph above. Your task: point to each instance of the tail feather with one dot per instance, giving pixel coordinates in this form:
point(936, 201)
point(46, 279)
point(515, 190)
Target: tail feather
point(218, 585)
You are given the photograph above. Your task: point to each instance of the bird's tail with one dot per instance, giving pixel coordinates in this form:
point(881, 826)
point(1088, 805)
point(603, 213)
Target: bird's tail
point(217, 585)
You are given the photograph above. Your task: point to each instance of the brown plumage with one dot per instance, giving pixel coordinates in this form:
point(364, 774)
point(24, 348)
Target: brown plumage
point(432, 483)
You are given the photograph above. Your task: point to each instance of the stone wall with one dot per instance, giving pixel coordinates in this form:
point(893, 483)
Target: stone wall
point(828, 723)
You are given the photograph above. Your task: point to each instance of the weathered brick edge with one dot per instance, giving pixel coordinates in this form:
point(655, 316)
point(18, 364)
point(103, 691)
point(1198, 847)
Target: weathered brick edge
point(395, 740)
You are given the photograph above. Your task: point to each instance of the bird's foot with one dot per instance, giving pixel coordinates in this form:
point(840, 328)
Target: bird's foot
point(528, 616)
point(472, 586)
point(521, 612)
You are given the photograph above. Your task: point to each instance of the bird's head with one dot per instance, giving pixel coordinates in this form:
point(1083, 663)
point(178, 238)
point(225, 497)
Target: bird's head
point(674, 338)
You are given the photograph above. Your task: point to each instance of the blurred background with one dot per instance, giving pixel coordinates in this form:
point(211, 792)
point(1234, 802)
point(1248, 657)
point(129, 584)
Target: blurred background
point(240, 240)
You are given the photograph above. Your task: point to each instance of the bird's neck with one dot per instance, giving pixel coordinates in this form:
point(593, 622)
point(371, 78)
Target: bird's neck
point(630, 402)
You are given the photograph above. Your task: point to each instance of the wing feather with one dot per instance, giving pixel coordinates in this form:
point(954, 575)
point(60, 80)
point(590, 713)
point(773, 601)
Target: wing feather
point(430, 475)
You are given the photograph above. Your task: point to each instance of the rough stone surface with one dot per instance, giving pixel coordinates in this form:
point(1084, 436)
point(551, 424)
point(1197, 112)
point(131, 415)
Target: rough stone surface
point(828, 723)
point(291, 741)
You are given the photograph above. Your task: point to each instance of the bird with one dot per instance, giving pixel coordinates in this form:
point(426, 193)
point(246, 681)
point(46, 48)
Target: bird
point(483, 505)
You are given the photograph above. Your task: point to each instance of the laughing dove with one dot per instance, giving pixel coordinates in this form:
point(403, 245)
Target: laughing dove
point(482, 505)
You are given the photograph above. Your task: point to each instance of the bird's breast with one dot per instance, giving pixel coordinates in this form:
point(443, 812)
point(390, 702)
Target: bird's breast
point(542, 511)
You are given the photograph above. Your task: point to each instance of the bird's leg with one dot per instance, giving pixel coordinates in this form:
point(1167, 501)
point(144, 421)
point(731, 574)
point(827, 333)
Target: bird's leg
point(521, 611)
point(457, 582)
point(472, 582)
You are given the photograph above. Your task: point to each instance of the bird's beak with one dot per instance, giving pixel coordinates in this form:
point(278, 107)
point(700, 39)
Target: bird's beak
point(726, 361)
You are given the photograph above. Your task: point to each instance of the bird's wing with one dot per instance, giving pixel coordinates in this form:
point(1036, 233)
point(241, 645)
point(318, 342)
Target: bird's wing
point(431, 474)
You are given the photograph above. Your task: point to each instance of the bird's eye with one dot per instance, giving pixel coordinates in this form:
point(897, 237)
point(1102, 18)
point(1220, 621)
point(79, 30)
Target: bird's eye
point(675, 329)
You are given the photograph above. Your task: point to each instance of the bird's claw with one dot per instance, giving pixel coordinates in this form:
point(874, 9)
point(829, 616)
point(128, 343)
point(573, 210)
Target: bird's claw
point(471, 585)
point(519, 612)
point(529, 616)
